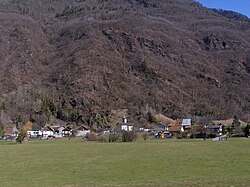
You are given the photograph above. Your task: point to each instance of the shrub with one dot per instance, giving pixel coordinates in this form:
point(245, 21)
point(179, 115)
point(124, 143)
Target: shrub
point(145, 136)
point(179, 136)
point(92, 136)
point(114, 137)
point(21, 136)
point(1, 133)
point(128, 136)
point(103, 138)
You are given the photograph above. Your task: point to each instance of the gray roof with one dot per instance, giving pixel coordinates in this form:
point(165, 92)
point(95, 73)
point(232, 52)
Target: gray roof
point(36, 128)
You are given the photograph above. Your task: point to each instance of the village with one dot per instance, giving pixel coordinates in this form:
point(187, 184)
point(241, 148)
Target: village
point(163, 128)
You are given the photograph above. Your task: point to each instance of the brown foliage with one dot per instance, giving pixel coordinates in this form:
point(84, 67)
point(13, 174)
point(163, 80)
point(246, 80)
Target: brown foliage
point(92, 136)
point(176, 56)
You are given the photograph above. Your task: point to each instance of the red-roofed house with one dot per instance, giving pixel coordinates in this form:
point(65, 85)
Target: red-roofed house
point(82, 131)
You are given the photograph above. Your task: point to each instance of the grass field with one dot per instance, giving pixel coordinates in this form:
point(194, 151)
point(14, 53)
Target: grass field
point(74, 163)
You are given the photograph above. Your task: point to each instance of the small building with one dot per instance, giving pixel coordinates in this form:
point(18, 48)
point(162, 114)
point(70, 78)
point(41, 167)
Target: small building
point(35, 132)
point(175, 122)
point(215, 130)
point(67, 131)
point(175, 129)
point(58, 131)
point(82, 131)
point(160, 127)
point(186, 122)
point(141, 129)
point(47, 131)
point(11, 130)
point(127, 127)
point(124, 126)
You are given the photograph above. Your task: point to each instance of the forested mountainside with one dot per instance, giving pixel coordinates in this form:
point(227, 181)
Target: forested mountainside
point(78, 60)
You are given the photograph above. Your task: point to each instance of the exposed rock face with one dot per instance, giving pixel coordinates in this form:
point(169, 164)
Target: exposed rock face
point(176, 56)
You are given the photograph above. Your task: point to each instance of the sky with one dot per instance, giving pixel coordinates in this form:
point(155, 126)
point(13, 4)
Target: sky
point(241, 6)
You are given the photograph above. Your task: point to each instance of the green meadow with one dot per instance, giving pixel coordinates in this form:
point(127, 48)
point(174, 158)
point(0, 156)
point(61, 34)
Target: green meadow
point(74, 163)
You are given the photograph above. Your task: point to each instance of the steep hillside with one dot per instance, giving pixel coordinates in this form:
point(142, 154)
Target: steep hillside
point(87, 57)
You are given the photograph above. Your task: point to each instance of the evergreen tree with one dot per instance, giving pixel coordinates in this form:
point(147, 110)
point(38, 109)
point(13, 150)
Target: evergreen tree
point(236, 122)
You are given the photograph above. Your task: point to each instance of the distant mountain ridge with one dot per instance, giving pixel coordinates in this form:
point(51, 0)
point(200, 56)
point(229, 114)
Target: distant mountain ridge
point(233, 15)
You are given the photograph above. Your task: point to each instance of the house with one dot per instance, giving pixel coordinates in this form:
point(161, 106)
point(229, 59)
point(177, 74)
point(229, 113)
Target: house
point(177, 129)
point(175, 122)
point(67, 131)
point(58, 130)
point(147, 129)
point(47, 131)
point(138, 128)
point(141, 129)
point(215, 130)
point(82, 131)
point(11, 131)
point(160, 127)
point(186, 122)
point(124, 126)
point(35, 132)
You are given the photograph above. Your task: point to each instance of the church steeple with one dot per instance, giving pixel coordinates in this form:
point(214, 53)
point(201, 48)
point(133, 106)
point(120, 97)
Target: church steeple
point(124, 119)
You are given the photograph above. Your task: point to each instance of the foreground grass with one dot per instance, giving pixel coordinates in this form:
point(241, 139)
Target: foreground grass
point(152, 163)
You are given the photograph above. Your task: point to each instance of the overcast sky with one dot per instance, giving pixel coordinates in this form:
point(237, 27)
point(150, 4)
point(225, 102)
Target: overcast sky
point(241, 6)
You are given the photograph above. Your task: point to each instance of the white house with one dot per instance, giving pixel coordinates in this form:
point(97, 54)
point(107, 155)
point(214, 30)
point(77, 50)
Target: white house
point(67, 131)
point(186, 122)
point(124, 126)
point(127, 127)
point(47, 131)
point(82, 131)
point(58, 131)
point(35, 132)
